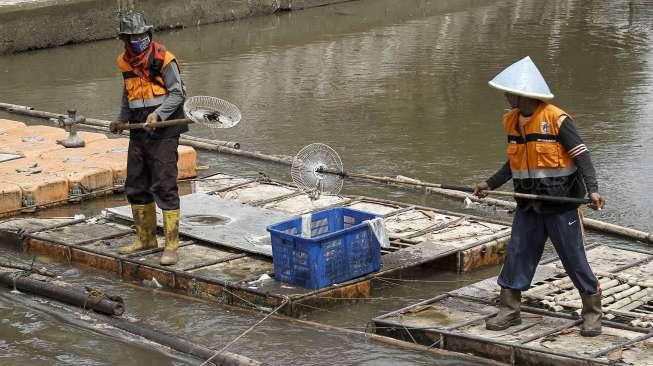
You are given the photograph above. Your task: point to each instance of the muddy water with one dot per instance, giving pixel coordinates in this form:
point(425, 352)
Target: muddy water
point(396, 88)
point(34, 337)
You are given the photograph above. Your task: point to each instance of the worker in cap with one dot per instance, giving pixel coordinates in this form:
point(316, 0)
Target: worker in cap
point(546, 156)
point(153, 91)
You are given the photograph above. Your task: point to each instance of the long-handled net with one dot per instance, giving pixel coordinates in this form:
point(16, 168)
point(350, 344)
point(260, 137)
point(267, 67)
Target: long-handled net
point(211, 112)
point(317, 169)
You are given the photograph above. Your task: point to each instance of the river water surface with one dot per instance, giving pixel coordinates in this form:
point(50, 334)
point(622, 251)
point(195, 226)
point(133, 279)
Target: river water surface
point(396, 87)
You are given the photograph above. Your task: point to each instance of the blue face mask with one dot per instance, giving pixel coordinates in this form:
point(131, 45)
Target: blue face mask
point(140, 45)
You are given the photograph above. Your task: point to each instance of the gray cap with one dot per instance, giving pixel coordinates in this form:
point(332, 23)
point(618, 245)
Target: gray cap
point(133, 22)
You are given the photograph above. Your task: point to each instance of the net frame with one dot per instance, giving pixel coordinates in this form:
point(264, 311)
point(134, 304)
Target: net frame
point(212, 112)
point(317, 169)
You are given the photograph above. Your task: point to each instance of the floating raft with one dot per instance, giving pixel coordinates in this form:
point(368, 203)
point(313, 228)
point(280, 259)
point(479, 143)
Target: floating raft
point(549, 333)
point(224, 254)
point(37, 171)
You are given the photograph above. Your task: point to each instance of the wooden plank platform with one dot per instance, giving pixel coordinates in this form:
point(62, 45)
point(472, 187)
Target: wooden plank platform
point(549, 333)
point(424, 240)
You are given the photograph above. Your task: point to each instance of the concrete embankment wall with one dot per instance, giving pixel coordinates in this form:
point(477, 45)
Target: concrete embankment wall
point(51, 23)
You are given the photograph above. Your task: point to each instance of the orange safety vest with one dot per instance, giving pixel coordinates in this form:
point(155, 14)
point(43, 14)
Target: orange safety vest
point(538, 153)
point(146, 92)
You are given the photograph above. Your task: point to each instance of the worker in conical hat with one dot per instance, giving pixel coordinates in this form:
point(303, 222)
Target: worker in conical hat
point(153, 91)
point(546, 156)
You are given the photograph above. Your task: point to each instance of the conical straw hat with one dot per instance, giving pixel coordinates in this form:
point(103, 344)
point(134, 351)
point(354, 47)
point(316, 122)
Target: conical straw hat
point(523, 78)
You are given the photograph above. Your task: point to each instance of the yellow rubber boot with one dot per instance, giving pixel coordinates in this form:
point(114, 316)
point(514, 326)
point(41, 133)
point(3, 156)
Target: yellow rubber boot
point(145, 222)
point(171, 231)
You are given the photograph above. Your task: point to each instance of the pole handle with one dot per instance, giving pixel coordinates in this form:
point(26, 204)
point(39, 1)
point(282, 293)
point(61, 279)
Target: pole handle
point(539, 197)
point(172, 122)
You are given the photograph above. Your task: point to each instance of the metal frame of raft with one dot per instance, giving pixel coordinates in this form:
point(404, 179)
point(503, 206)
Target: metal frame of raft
point(227, 275)
point(454, 321)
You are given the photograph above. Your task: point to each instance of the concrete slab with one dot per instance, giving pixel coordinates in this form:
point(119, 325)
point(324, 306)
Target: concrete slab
point(83, 233)
point(222, 222)
point(191, 256)
point(442, 314)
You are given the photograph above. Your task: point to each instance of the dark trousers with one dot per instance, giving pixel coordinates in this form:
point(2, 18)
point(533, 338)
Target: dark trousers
point(152, 172)
point(529, 233)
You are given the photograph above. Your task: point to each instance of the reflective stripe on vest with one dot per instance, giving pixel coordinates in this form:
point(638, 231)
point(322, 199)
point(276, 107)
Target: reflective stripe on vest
point(141, 103)
point(543, 173)
point(141, 91)
point(538, 153)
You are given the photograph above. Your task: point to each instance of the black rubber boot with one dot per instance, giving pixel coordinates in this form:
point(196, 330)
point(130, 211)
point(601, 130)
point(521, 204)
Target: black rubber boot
point(591, 315)
point(509, 303)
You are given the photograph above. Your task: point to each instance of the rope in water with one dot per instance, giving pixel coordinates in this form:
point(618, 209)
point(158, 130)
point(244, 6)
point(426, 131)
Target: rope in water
point(423, 281)
point(285, 301)
point(23, 273)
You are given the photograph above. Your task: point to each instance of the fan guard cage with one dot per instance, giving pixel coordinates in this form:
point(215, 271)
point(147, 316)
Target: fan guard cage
point(212, 112)
point(313, 170)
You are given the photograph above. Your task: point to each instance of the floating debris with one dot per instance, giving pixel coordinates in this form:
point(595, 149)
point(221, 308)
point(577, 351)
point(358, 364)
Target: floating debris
point(152, 283)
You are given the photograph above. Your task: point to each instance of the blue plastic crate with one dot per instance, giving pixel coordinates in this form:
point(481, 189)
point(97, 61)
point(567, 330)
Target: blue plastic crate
point(341, 247)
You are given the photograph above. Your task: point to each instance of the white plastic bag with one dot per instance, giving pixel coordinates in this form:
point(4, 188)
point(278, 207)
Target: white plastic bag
point(306, 225)
point(378, 228)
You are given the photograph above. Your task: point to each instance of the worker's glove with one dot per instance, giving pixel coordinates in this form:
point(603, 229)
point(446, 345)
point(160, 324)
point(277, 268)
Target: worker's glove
point(598, 202)
point(480, 189)
point(113, 127)
point(151, 118)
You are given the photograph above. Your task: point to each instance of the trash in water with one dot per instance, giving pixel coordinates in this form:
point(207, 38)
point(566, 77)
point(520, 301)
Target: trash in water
point(469, 203)
point(264, 277)
point(73, 272)
point(153, 283)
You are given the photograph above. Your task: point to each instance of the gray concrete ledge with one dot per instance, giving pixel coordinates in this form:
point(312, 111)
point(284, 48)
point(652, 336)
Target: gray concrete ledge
point(51, 23)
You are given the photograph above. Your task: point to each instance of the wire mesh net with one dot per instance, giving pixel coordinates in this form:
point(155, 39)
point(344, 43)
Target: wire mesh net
point(212, 112)
point(316, 168)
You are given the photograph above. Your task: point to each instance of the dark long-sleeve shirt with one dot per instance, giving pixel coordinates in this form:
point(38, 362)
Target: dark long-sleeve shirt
point(576, 149)
point(176, 93)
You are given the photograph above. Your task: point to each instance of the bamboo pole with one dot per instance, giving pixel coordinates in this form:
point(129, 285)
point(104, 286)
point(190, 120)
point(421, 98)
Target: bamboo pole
point(618, 230)
point(625, 278)
point(632, 314)
point(627, 301)
point(545, 288)
point(168, 123)
point(400, 181)
point(640, 323)
point(415, 182)
point(638, 303)
point(573, 294)
point(615, 289)
point(620, 295)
